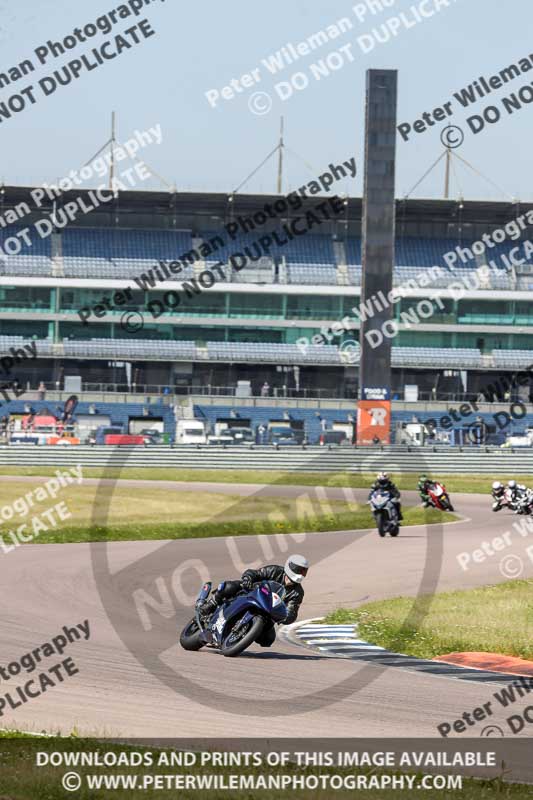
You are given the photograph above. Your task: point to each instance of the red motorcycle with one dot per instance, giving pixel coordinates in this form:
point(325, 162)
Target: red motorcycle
point(438, 497)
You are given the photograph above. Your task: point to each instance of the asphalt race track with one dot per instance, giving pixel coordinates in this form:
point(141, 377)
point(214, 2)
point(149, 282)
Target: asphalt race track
point(287, 690)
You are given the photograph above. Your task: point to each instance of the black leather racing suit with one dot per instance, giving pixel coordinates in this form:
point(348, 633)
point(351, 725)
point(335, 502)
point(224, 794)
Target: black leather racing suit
point(388, 486)
point(294, 594)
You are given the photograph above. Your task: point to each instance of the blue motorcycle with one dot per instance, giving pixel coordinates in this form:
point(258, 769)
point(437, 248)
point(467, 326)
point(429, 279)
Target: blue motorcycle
point(238, 622)
point(385, 512)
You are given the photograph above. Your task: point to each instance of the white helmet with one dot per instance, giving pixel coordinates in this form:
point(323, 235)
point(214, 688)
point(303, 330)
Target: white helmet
point(497, 485)
point(512, 484)
point(296, 568)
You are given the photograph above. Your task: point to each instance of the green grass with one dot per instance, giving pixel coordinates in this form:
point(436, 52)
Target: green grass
point(93, 512)
point(21, 780)
point(454, 483)
point(494, 619)
point(352, 520)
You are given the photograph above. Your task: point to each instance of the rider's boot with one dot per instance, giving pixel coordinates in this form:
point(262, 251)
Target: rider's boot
point(209, 606)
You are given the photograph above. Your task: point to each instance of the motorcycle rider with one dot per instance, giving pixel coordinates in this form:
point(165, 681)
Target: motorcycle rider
point(383, 483)
point(526, 505)
point(498, 494)
point(423, 487)
point(516, 491)
point(290, 575)
point(519, 496)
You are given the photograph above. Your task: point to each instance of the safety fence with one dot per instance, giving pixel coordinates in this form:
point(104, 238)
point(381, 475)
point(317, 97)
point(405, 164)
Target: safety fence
point(289, 459)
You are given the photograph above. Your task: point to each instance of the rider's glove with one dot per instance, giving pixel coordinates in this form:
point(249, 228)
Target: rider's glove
point(247, 582)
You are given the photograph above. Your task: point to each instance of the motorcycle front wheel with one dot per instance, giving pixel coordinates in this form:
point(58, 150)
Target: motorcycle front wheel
point(446, 504)
point(239, 638)
point(381, 523)
point(190, 638)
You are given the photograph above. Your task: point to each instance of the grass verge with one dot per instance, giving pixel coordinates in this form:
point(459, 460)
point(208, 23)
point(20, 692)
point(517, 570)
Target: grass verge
point(495, 619)
point(352, 520)
point(477, 484)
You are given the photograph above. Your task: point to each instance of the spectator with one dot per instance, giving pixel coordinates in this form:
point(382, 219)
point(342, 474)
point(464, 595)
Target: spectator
point(265, 389)
point(41, 391)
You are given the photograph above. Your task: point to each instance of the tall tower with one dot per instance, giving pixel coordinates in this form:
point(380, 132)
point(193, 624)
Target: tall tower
point(374, 407)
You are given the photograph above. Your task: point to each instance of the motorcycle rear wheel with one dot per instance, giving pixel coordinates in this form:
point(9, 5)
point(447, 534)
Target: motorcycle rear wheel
point(232, 646)
point(190, 638)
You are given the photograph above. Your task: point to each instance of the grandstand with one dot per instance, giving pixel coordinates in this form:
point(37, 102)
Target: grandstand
point(249, 326)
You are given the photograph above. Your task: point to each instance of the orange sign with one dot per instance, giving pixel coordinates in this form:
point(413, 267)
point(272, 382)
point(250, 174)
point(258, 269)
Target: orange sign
point(373, 421)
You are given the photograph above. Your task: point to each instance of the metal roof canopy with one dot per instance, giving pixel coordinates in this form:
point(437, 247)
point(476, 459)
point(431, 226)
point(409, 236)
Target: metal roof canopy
point(207, 211)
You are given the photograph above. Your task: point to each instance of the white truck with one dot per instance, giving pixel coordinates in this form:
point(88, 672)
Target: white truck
point(191, 431)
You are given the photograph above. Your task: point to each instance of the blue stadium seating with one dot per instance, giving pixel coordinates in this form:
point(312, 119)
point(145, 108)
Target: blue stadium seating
point(124, 253)
point(148, 245)
point(119, 253)
point(309, 249)
point(33, 259)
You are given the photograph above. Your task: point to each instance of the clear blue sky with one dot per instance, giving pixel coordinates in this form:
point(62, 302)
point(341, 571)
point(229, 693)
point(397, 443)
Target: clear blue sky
point(203, 45)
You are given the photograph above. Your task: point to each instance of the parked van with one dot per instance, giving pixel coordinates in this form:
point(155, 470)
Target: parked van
point(191, 431)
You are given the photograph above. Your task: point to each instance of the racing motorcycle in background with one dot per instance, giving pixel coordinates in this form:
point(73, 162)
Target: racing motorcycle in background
point(385, 512)
point(517, 502)
point(238, 622)
point(439, 497)
point(503, 501)
point(523, 504)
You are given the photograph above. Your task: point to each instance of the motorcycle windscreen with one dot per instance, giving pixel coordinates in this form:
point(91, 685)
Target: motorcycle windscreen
point(204, 592)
